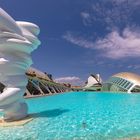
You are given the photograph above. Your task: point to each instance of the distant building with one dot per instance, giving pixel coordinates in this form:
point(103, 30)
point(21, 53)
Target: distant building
point(123, 82)
point(40, 83)
point(94, 83)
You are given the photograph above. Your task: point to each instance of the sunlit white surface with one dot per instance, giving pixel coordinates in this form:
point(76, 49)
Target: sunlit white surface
point(17, 40)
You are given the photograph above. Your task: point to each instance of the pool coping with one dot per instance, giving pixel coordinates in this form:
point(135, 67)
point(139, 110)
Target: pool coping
point(15, 123)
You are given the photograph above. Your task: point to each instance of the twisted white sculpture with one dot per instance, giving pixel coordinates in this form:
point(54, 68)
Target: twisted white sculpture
point(17, 41)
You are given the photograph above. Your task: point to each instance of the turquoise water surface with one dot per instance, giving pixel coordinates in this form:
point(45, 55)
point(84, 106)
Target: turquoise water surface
point(80, 116)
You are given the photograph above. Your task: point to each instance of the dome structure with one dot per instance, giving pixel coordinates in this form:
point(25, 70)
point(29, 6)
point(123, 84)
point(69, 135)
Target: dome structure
point(123, 82)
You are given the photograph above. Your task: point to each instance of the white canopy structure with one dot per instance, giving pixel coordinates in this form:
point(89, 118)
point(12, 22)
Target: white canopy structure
point(94, 81)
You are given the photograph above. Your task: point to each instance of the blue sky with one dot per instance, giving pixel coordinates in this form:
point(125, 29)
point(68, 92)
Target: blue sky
point(80, 37)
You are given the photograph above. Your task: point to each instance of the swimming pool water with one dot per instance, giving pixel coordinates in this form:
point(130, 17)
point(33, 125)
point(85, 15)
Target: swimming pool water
point(80, 116)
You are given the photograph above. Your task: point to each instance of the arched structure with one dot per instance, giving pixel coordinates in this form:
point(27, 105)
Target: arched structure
point(40, 83)
point(123, 82)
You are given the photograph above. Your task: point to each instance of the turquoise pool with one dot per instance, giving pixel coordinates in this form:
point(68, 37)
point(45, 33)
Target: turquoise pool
point(80, 116)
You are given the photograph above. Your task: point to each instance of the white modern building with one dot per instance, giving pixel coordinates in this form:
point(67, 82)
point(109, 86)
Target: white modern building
point(123, 82)
point(40, 83)
point(93, 83)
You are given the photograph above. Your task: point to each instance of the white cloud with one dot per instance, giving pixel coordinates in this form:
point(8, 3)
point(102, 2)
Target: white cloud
point(133, 2)
point(95, 62)
point(120, 41)
point(110, 13)
point(78, 40)
point(85, 15)
point(118, 46)
point(133, 66)
point(114, 45)
point(72, 80)
point(86, 18)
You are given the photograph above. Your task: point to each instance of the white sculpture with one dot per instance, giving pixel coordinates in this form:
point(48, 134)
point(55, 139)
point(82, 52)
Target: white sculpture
point(17, 41)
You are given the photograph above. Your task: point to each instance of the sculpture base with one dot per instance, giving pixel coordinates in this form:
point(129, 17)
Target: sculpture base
point(15, 123)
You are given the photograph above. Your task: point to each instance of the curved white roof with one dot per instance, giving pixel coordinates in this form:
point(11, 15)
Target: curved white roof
point(134, 78)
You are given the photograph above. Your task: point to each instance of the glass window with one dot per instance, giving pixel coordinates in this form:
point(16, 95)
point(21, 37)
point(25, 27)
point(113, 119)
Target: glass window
point(121, 80)
point(123, 84)
point(118, 80)
point(126, 85)
point(130, 85)
point(113, 81)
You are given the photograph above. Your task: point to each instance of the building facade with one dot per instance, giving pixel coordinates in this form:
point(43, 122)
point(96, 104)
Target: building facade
point(123, 82)
point(40, 84)
point(94, 83)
